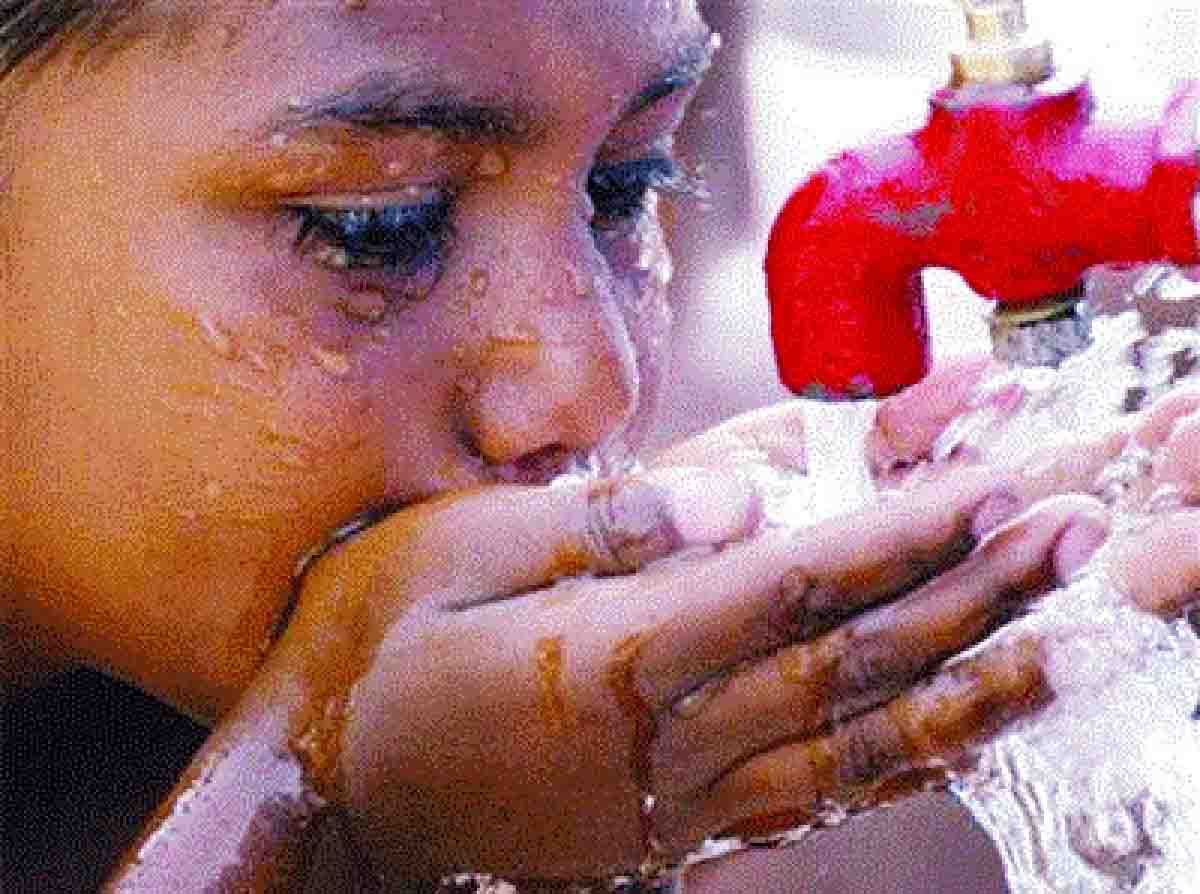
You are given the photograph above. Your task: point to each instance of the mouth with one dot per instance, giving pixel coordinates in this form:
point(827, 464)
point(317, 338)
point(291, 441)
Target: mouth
point(546, 465)
point(539, 466)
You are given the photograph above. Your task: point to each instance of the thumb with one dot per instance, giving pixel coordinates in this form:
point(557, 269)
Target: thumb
point(485, 545)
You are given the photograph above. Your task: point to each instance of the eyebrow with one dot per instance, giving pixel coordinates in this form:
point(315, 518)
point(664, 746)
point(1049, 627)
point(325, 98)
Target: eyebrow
point(385, 100)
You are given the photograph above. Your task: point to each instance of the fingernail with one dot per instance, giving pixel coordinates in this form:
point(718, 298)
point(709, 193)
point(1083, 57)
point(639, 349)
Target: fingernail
point(709, 508)
point(995, 510)
point(1077, 544)
point(638, 521)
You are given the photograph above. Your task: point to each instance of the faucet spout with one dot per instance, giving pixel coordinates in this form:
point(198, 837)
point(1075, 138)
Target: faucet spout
point(1012, 185)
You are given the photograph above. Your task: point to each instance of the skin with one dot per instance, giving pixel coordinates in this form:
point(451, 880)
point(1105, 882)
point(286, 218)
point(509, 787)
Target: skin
point(203, 404)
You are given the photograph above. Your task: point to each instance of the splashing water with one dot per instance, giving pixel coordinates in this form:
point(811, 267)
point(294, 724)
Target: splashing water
point(1100, 793)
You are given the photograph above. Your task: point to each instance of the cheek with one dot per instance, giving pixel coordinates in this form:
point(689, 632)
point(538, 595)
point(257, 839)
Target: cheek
point(196, 423)
point(641, 262)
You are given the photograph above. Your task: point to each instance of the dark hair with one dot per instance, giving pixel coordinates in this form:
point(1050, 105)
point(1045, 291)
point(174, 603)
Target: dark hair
point(34, 30)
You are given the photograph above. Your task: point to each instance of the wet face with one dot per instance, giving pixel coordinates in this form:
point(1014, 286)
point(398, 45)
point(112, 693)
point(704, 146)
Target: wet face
point(311, 261)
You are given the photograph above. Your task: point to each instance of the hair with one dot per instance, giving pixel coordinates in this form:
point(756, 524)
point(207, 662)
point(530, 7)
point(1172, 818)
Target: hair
point(32, 32)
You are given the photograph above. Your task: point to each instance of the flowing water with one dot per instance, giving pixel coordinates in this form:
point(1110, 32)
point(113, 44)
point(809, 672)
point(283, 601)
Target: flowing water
point(1100, 792)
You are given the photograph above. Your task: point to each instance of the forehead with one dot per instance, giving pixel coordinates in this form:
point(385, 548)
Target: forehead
point(558, 59)
point(513, 45)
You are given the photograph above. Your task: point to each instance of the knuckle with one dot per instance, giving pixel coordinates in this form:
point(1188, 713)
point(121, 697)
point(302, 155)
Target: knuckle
point(873, 666)
point(628, 525)
point(805, 607)
point(869, 749)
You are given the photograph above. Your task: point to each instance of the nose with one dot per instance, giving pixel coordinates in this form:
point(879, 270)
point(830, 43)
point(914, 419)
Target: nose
point(553, 370)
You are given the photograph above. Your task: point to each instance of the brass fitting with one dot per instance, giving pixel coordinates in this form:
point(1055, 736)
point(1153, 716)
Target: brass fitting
point(1041, 334)
point(999, 48)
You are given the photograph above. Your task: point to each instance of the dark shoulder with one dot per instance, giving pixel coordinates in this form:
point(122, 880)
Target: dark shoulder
point(83, 761)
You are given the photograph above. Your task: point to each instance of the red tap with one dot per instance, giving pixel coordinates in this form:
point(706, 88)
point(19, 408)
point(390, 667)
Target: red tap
point(1013, 186)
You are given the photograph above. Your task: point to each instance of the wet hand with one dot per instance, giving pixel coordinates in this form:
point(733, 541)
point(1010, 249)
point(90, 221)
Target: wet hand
point(1158, 564)
point(472, 713)
point(1155, 564)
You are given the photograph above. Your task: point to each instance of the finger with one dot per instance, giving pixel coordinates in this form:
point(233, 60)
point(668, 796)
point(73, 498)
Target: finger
point(908, 425)
point(1159, 566)
point(807, 583)
point(772, 436)
point(1154, 426)
point(1069, 463)
point(518, 539)
point(852, 766)
point(1177, 465)
point(870, 659)
point(784, 585)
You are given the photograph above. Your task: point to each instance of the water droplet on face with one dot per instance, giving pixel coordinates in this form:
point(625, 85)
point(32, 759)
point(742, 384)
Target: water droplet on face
point(477, 281)
point(213, 490)
point(690, 705)
point(217, 337)
point(469, 385)
point(583, 283)
point(293, 460)
point(365, 305)
point(491, 164)
point(398, 166)
point(279, 140)
point(229, 35)
point(332, 257)
point(335, 363)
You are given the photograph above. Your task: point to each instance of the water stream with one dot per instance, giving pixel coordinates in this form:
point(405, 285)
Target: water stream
point(1100, 792)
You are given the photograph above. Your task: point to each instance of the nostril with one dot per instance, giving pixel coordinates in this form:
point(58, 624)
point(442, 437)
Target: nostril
point(537, 466)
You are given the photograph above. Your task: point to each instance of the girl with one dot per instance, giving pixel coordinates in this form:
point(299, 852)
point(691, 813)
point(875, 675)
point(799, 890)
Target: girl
point(274, 270)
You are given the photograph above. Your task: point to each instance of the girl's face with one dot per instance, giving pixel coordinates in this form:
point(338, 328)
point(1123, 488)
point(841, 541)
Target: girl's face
point(273, 265)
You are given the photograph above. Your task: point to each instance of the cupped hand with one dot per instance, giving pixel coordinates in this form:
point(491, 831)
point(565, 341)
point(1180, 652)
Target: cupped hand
point(496, 679)
point(1156, 563)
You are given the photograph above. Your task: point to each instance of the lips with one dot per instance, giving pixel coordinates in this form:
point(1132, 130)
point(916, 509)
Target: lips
point(537, 467)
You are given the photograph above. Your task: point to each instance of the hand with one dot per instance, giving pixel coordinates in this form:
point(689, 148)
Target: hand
point(469, 714)
point(1157, 565)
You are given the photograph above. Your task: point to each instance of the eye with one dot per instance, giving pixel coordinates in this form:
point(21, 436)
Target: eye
point(618, 191)
point(404, 238)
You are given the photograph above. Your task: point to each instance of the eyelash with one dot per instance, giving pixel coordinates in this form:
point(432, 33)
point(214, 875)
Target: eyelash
point(408, 238)
point(402, 239)
point(618, 191)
